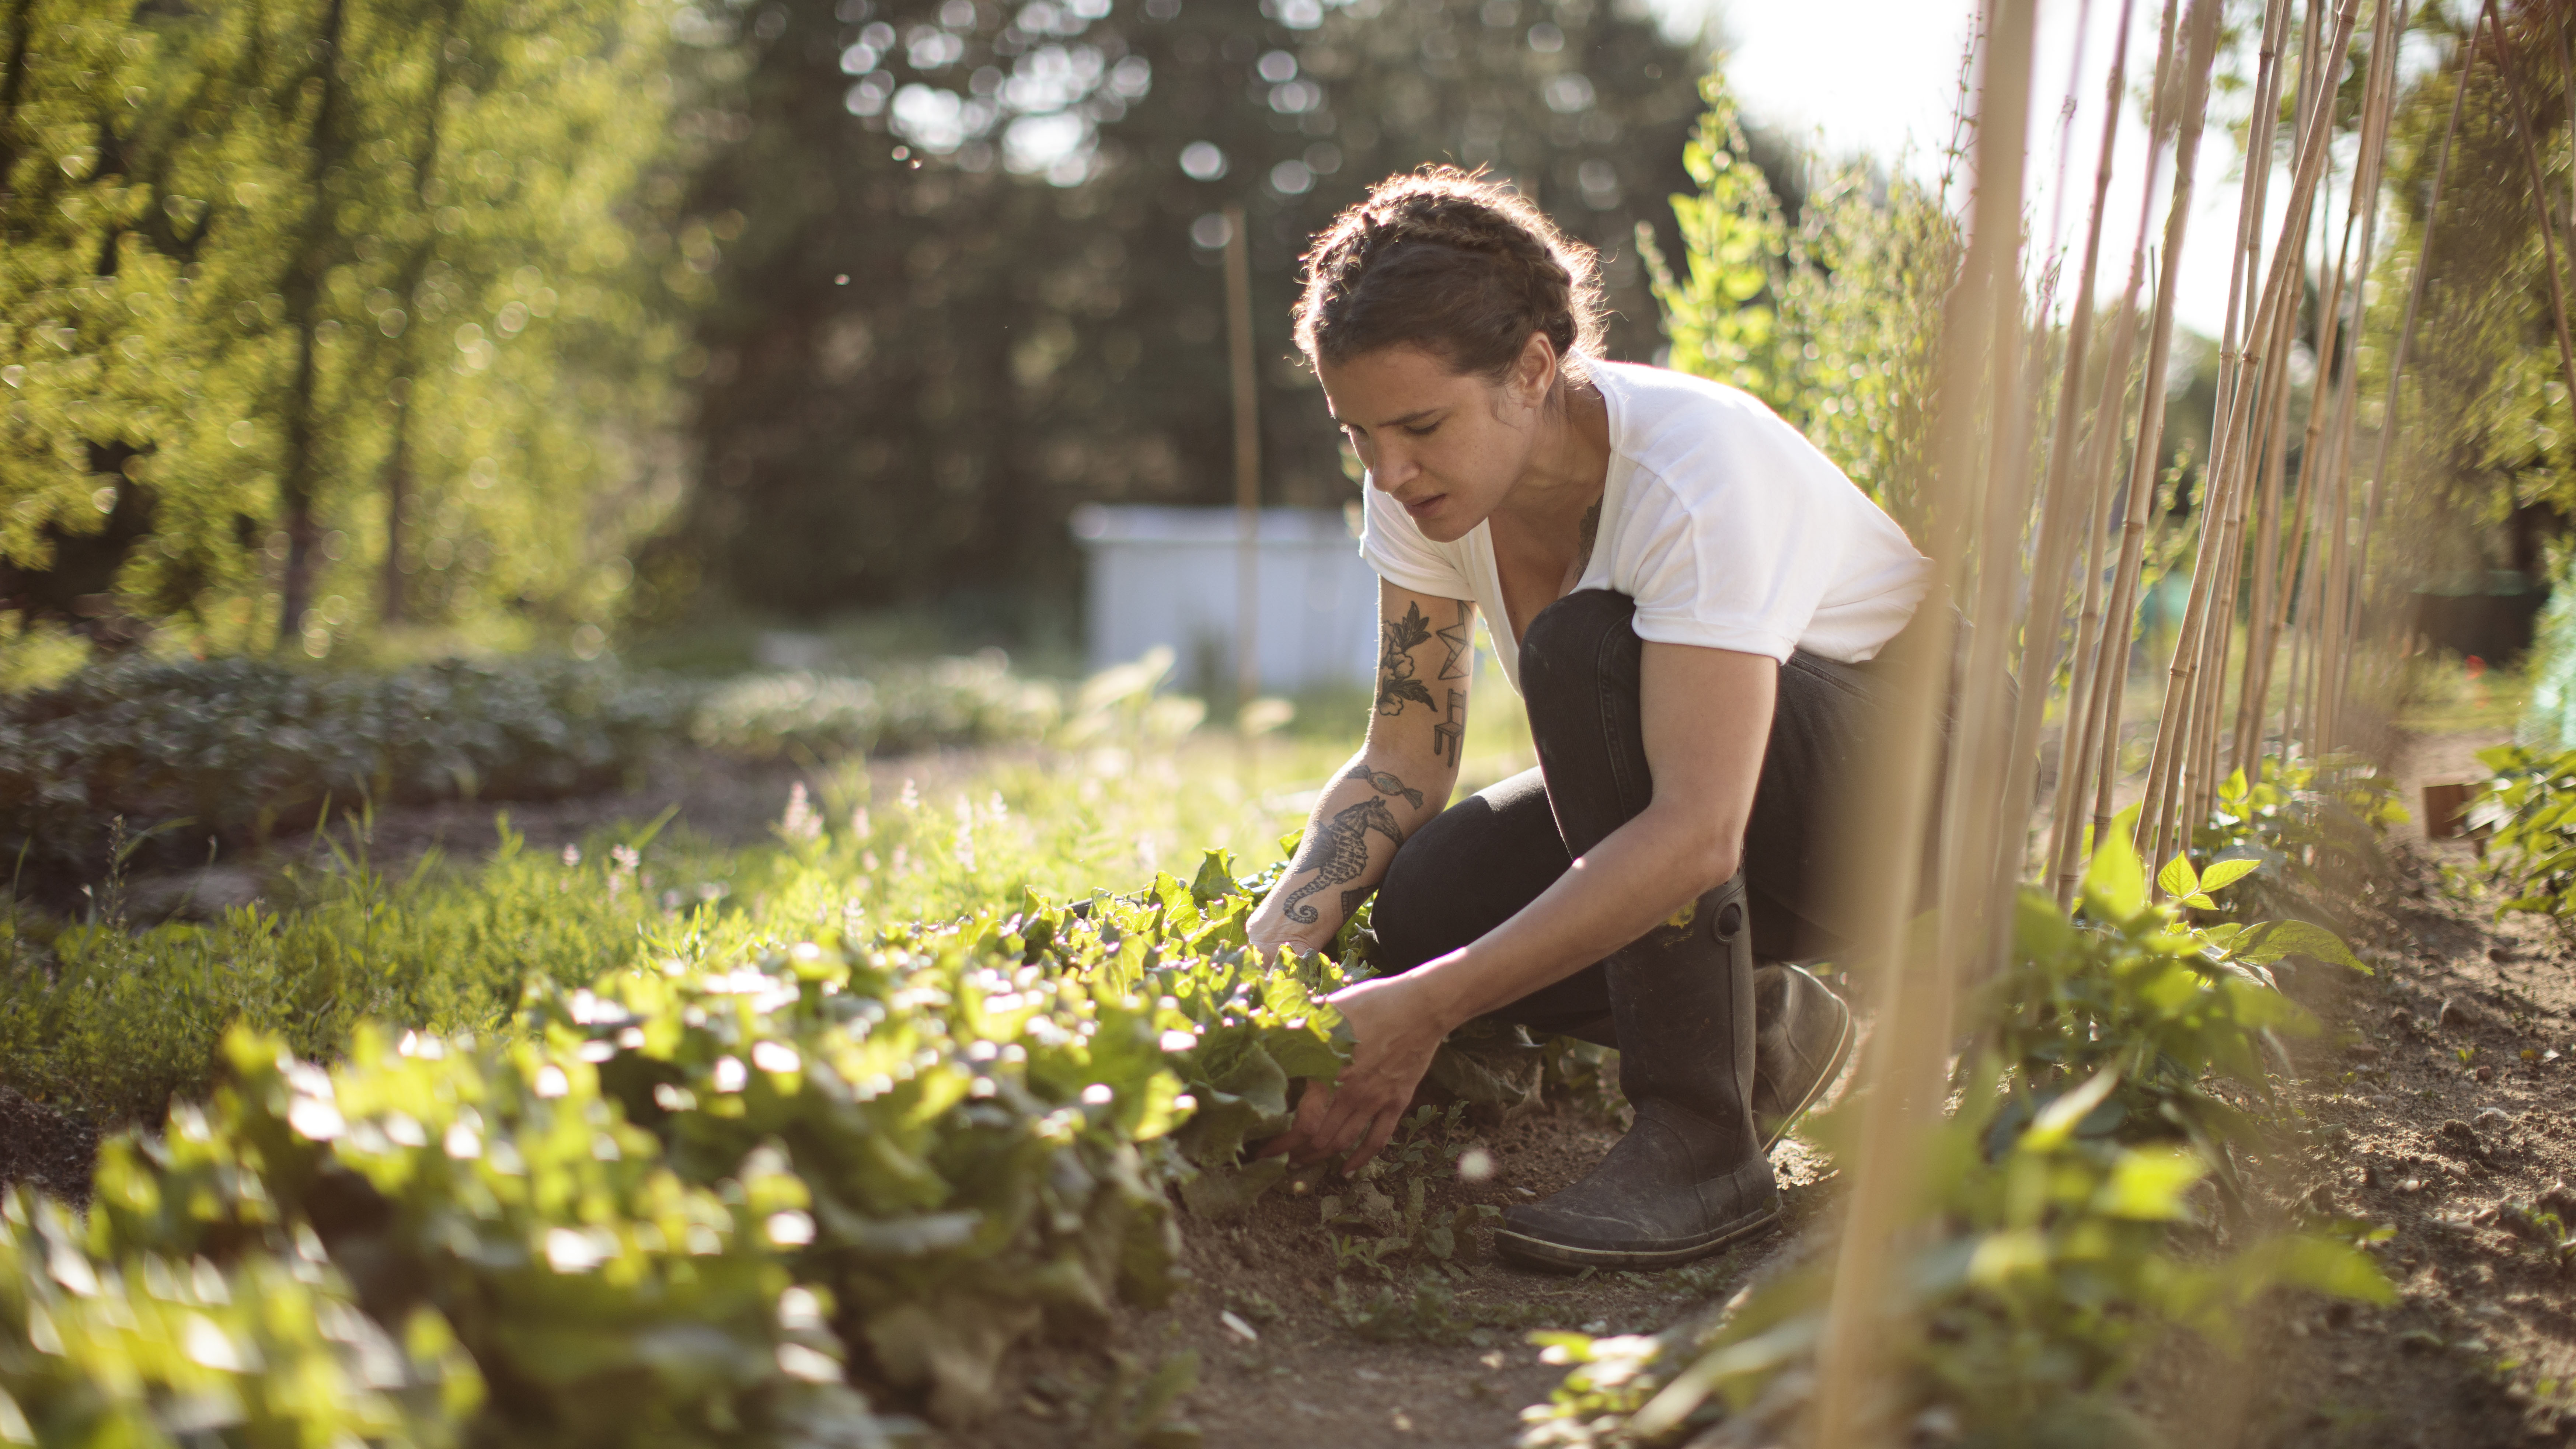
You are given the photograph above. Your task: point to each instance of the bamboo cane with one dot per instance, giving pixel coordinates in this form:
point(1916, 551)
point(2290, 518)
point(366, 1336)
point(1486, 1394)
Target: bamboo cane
point(2066, 499)
point(2343, 616)
point(2101, 709)
point(2263, 623)
point(1908, 1067)
point(2156, 821)
point(2240, 354)
point(2142, 466)
point(2075, 753)
point(2314, 104)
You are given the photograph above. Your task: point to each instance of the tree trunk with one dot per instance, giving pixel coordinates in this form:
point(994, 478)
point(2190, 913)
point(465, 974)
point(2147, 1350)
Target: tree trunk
point(301, 474)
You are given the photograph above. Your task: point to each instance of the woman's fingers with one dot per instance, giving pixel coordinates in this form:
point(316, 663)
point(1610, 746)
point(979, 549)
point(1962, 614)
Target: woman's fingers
point(1381, 1128)
point(1313, 1110)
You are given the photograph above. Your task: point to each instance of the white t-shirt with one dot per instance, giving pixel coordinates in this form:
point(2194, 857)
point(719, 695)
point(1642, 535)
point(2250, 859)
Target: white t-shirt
point(1721, 520)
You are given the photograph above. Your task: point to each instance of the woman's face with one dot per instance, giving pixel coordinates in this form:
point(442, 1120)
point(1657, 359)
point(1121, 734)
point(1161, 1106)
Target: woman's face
point(1447, 446)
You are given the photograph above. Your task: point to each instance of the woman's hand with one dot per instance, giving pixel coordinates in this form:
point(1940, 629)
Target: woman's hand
point(1395, 1030)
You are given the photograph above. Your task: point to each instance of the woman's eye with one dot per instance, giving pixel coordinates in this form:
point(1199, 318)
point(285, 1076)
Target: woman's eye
point(1424, 431)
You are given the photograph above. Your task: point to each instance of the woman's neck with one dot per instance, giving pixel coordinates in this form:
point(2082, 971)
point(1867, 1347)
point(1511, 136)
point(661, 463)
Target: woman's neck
point(1568, 468)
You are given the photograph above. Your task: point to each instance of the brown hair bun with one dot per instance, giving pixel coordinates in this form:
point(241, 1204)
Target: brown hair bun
point(1451, 262)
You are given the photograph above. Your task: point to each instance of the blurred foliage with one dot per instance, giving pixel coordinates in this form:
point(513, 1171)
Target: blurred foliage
point(978, 280)
point(182, 758)
point(144, 1349)
point(1834, 320)
point(2529, 805)
point(2485, 447)
point(313, 311)
point(2061, 1237)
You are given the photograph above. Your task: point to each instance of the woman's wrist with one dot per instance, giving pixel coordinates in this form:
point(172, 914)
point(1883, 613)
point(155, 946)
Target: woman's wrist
point(1437, 988)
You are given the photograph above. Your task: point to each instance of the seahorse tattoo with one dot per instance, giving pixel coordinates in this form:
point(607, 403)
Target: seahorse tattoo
point(1396, 686)
point(1385, 784)
point(1339, 852)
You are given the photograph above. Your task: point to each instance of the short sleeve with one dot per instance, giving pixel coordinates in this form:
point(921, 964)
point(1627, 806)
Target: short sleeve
point(1401, 555)
point(1743, 561)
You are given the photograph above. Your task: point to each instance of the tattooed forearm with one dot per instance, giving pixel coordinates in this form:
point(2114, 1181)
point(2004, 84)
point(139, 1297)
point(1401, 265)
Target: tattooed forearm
point(1396, 686)
point(1338, 853)
point(1385, 784)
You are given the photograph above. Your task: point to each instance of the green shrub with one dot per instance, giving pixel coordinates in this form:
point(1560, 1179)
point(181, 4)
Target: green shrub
point(2530, 808)
point(969, 701)
point(232, 746)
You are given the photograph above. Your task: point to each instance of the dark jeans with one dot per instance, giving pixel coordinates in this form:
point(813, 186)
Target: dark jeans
point(1481, 860)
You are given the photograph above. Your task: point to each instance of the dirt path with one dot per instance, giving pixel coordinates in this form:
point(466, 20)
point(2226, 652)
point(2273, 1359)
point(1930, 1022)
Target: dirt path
point(1456, 1374)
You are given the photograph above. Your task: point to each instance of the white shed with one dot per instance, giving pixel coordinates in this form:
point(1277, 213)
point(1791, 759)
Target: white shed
point(1168, 576)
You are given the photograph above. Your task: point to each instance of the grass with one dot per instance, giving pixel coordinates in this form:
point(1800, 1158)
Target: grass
point(118, 1021)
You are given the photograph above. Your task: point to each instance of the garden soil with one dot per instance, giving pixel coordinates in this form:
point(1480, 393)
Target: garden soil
point(2439, 1103)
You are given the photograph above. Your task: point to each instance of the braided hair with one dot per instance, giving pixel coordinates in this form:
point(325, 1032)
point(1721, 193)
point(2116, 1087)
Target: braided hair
point(1454, 263)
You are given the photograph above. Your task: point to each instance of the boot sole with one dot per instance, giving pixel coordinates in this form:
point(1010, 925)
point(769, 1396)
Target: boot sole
point(1824, 1079)
point(1540, 1253)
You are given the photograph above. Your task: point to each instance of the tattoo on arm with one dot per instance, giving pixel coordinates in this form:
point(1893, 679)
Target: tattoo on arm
point(1591, 530)
point(1449, 737)
point(1385, 783)
point(1458, 640)
point(1396, 686)
point(1338, 853)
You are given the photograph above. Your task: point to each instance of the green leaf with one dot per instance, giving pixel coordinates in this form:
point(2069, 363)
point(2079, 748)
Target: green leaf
point(2269, 941)
point(2148, 1185)
point(2225, 873)
point(1215, 880)
point(2115, 886)
point(2178, 878)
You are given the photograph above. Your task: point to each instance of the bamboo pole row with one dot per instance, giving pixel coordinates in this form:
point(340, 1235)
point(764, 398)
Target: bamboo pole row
point(2282, 546)
point(1907, 1070)
point(2186, 704)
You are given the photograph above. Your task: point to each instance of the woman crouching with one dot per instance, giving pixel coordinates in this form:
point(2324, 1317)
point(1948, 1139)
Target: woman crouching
point(1687, 596)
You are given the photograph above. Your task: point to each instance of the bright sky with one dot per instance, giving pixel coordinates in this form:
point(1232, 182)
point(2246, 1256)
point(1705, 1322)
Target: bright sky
point(1880, 77)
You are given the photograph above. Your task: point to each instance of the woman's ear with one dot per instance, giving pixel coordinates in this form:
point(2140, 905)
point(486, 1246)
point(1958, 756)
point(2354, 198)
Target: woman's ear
point(1534, 372)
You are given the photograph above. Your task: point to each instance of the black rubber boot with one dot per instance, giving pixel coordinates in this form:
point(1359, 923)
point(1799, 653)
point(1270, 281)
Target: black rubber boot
point(1802, 1035)
point(1690, 1176)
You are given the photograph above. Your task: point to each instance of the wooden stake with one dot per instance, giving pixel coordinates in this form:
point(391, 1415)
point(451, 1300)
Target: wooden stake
point(1247, 467)
point(1908, 1069)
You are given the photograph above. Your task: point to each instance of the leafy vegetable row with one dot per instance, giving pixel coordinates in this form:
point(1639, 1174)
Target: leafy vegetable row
point(674, 1205)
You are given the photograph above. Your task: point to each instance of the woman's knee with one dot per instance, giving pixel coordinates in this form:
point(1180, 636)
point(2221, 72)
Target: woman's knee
point(1565, 640)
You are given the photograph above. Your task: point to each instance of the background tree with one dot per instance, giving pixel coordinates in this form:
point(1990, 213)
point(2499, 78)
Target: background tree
point(978, 283)
point(288, 254)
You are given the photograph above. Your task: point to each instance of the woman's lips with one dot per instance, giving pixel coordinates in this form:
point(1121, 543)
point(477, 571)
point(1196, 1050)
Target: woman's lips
point(1422, 506)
